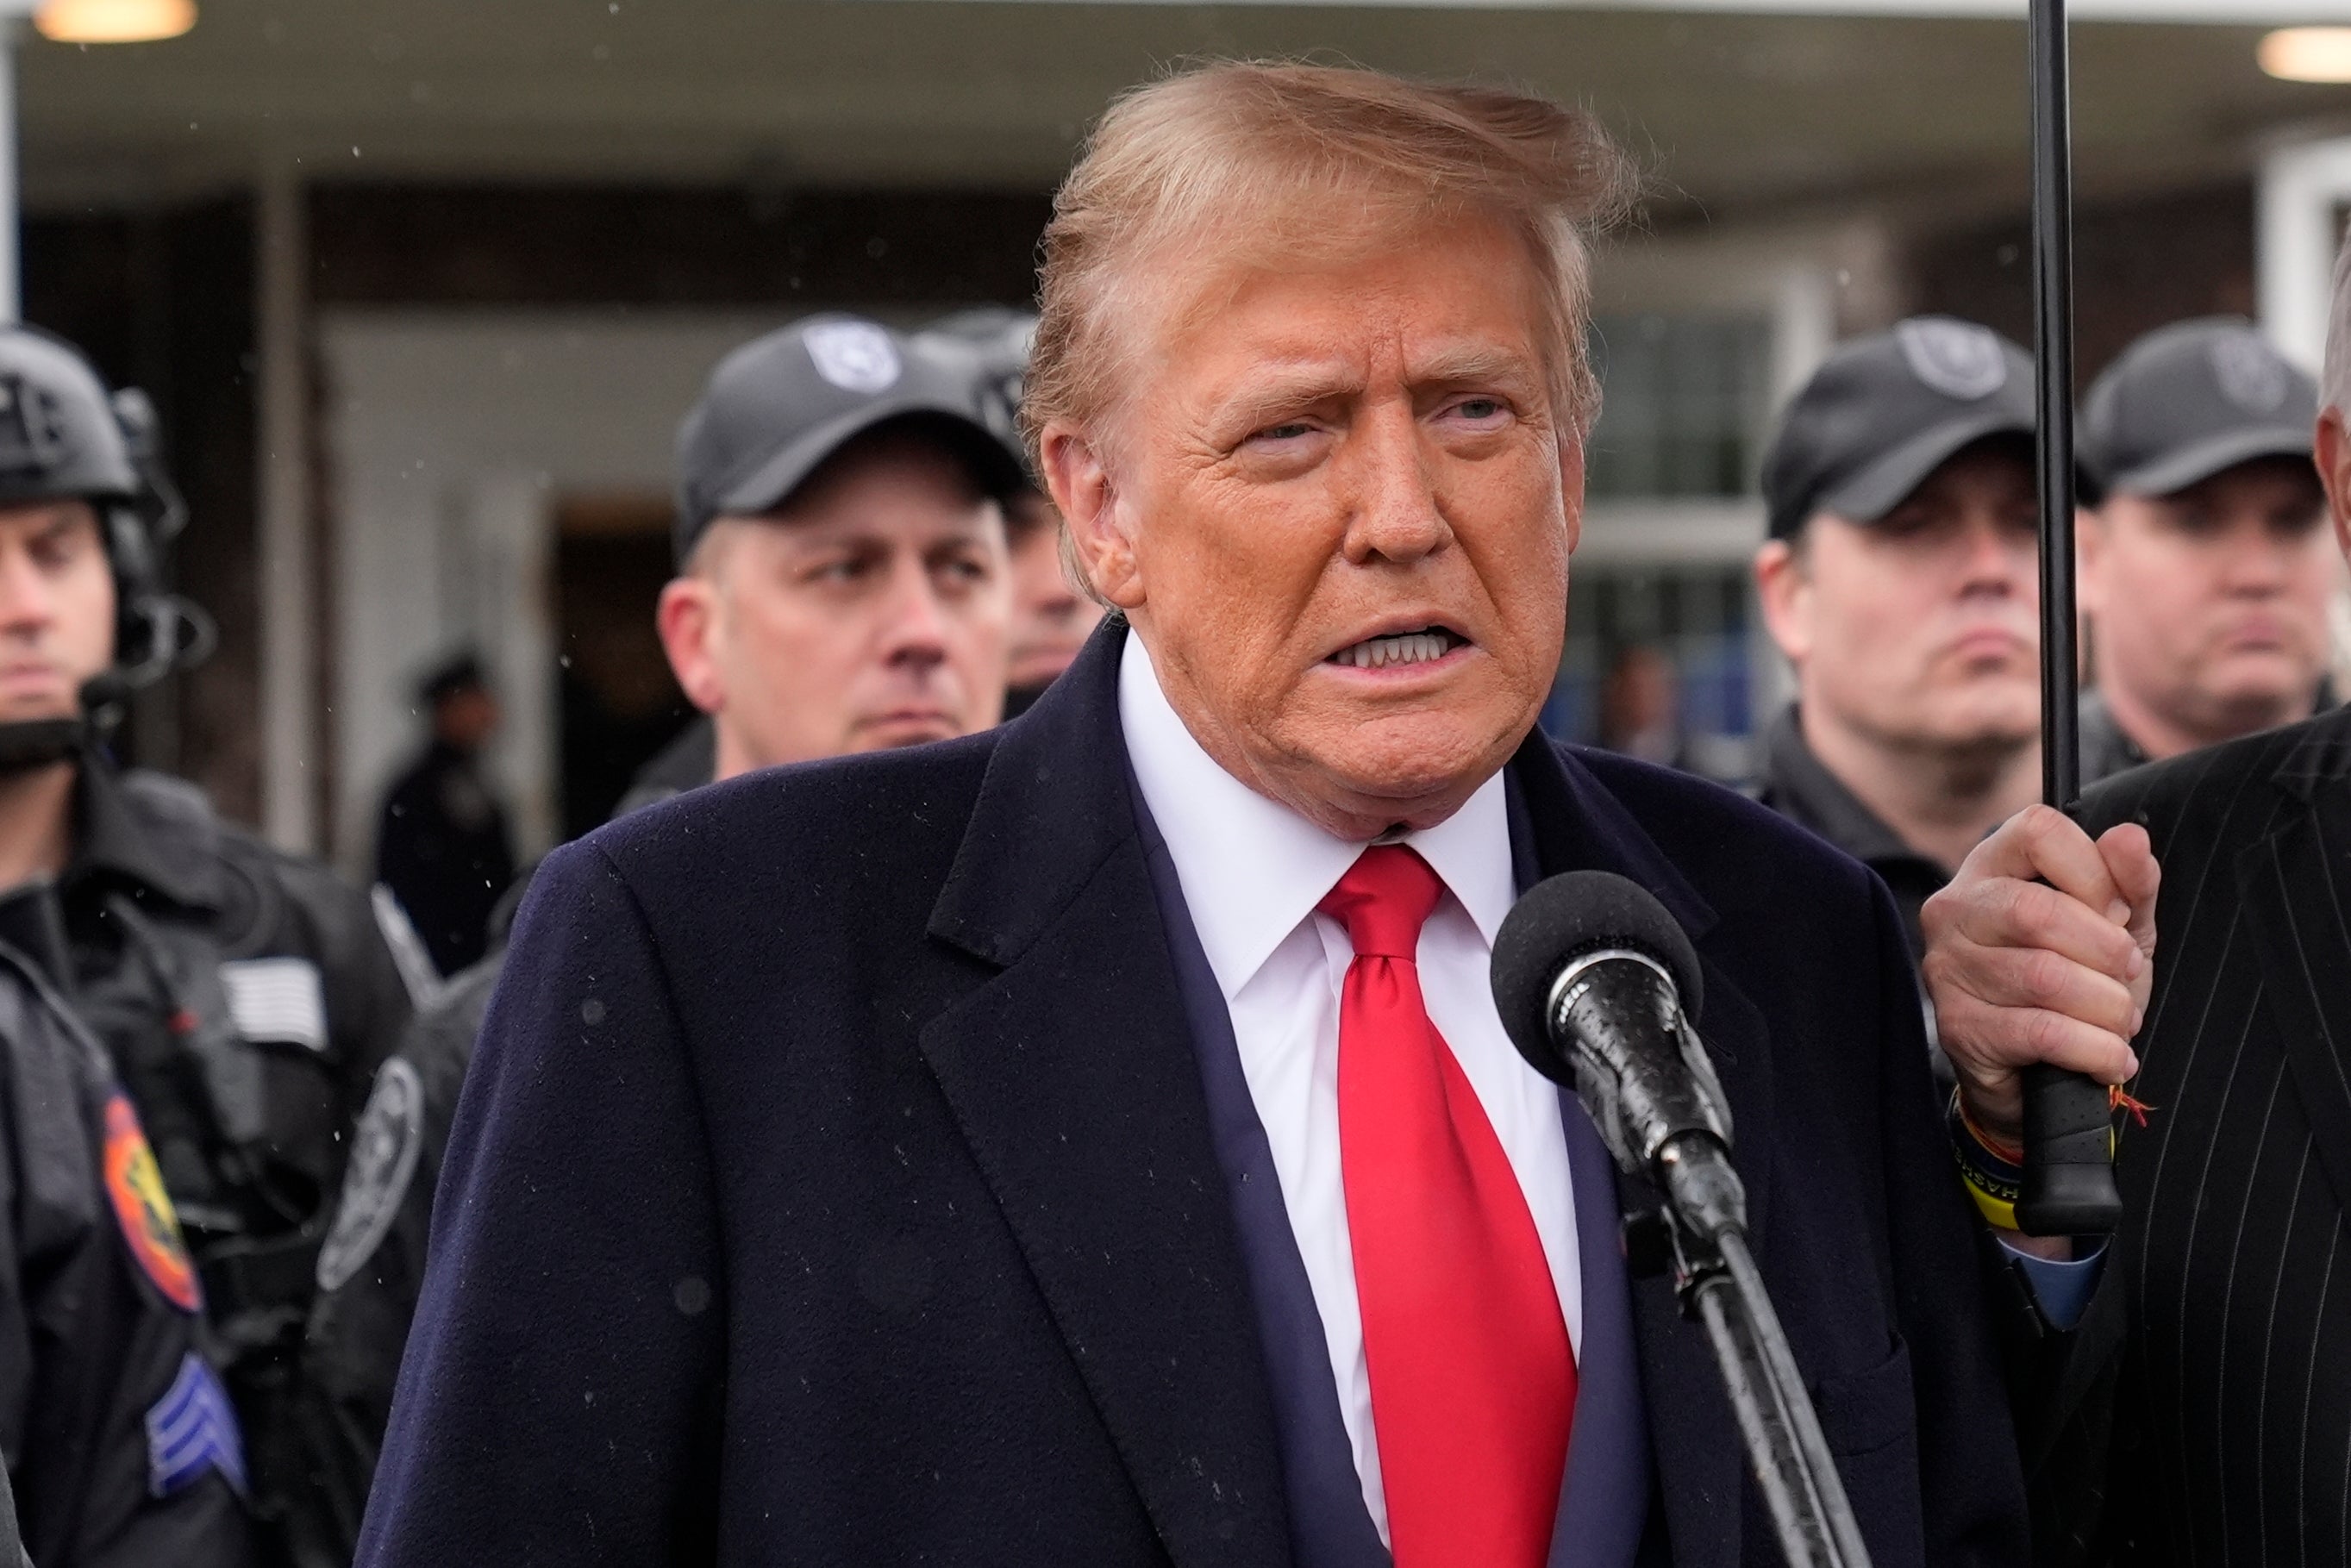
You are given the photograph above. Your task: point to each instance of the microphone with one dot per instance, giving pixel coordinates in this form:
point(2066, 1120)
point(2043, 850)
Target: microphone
point(1596, 985)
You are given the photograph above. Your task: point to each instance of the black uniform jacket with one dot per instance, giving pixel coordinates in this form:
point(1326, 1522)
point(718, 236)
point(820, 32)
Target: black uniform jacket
point(2201, 1412)
point(1800, 787)
point(119, 1442)
point(372, 1268)
point(245, 996)
point(835, 1185)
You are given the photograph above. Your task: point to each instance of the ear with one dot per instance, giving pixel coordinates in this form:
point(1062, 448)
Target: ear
point(1570, 486)
point(2334, 456)
point(1088, 504)
point(687, 616)
point(1785, 595)
point(2090, 558)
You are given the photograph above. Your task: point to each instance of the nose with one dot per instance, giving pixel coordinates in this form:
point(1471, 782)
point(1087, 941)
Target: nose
point(914, 628)
point(2266, 568)
point(26, 605)
point(1393, 514)
point(1999, 558)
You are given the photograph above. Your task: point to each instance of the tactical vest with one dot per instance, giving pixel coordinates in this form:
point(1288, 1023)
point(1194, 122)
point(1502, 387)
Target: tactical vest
point(225, 1050)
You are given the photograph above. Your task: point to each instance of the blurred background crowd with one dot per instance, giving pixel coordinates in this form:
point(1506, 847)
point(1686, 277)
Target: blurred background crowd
point(421, 290)
point(466, 329)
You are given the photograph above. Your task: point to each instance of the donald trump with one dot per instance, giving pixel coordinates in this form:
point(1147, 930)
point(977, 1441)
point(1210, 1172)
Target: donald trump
point(1093, 1142)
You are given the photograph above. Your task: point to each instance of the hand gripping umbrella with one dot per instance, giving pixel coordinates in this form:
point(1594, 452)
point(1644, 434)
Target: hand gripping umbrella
point(2069, 1180)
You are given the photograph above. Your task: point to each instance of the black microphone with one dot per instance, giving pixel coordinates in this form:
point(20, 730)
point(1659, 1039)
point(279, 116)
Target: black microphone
point(1597, 984)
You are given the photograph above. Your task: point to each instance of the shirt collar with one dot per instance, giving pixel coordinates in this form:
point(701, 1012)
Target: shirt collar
point(1253, 869)
point(109, 840)
point(1800, 786)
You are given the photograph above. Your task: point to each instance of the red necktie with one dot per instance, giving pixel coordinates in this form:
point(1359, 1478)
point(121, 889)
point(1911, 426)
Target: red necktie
point(1473, 1380)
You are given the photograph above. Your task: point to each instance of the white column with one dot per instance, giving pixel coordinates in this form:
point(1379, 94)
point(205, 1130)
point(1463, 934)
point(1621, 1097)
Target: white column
point(12, 304)
point(286, 536)
point(2303, 192)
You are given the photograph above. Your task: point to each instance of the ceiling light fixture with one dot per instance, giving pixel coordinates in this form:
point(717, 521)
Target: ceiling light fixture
point(113, 21)
point(2308, 54)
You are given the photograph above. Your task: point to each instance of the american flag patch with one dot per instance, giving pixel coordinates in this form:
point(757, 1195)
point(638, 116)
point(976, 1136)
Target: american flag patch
point(276, 999)
point(192, 1429)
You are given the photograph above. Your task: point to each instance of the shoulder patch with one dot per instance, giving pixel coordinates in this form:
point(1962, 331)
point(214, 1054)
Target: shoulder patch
point(192, 1429)
point(383, 1161)
point(134, 1185)
point(277, 999)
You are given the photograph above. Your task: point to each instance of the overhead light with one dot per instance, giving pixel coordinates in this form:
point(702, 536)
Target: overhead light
point(113, 21)
point(2308, 54)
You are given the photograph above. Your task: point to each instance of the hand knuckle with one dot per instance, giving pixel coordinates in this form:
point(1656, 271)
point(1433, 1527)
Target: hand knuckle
point(2033, 914)
point(2044, 975)
point(2044, 1034)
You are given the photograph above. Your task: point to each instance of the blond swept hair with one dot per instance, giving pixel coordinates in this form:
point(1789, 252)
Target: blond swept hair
point(1258, 161)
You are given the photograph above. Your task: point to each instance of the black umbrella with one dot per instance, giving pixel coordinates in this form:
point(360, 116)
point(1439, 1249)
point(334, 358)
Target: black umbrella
point(2069, 1181)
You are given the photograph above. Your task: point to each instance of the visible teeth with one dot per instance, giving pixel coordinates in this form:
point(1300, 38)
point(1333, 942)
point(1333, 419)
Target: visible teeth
point(1378, 653)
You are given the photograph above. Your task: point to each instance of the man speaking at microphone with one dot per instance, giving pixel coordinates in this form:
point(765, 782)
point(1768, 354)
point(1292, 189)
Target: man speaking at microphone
point(1094, 1142)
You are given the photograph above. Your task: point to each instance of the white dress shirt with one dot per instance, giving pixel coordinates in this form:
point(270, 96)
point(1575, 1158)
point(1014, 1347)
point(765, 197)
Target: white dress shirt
point(1252, 871)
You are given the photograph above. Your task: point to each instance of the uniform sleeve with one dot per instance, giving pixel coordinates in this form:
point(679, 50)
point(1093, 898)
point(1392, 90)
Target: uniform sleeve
point(1971, 1491)
point(560, 1400)
point(372, 1269)
point(122, 1449)
point(368, 1002)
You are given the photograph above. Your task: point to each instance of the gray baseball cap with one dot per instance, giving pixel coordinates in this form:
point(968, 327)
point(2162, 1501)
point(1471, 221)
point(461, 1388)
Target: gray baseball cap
point(994, 342)
point(1884, 411)
point(2188, 400)
point(776, 408)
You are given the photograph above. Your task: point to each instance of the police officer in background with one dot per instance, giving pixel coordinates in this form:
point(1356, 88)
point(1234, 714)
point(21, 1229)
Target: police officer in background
point(1050, 618)
point(1900, 581)
point(843, 586)
point(121, 1448)
point(442, 843)
point(2206, 561)
point(244, 996)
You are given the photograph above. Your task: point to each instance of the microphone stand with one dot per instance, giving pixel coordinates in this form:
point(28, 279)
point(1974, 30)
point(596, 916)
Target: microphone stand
point(1717, 1283)
point(1669, 1125)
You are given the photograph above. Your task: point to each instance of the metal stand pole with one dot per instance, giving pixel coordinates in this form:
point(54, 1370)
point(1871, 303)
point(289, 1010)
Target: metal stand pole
point(1718, 1284)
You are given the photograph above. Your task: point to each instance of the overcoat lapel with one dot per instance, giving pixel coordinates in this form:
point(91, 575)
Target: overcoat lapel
point(1072, 1078)
point(2297, 887)
point(1578, 825)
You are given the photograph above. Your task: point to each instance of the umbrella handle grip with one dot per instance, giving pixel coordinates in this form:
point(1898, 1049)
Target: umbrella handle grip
point(2069, 1168)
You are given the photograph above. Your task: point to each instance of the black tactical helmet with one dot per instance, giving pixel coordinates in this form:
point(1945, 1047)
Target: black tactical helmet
point(65, 436)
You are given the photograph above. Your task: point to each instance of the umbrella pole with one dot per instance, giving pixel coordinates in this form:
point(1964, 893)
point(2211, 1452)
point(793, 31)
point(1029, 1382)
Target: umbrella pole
point(2069, 1183)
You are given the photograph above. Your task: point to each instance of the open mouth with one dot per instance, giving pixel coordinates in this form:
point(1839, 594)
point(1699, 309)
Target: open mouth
point(1425, 647)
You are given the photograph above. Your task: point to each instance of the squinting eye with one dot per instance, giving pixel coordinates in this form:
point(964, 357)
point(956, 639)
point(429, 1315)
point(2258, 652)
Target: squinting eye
point(1290, 432)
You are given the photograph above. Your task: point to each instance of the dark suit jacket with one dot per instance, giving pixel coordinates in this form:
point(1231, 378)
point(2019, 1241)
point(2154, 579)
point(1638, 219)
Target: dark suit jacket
point(2201, 1413)
point(835, 1185)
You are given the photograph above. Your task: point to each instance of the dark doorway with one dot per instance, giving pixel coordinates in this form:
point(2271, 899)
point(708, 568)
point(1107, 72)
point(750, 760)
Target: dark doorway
point(621, 704)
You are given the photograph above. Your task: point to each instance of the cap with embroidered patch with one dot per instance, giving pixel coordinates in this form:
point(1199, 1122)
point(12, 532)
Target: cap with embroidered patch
point(2188, 400)
point(776, 408)
point(1884, 411)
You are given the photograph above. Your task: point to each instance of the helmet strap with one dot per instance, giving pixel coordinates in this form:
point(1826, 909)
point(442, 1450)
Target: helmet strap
point(33, 743)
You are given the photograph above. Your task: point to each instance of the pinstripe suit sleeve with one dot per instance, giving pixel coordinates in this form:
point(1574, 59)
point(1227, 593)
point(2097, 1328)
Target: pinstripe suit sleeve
point(2197, 1415)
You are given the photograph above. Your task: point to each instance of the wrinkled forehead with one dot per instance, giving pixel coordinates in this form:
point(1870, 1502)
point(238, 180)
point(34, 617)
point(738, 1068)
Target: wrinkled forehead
point(1177, 295)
